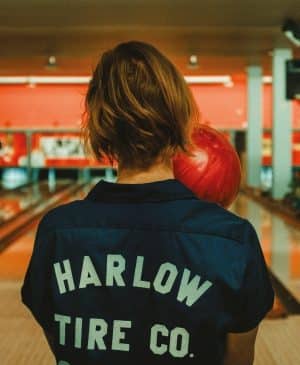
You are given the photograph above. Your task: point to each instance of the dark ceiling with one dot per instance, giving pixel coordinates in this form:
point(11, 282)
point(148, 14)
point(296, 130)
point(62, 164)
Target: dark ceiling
point(225, 34)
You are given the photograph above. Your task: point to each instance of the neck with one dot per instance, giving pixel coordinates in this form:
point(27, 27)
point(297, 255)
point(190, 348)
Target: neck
point(156, 172)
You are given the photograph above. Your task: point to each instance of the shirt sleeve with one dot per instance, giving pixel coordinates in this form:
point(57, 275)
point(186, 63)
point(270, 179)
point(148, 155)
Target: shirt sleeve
point(256, 296)
point(35, 292)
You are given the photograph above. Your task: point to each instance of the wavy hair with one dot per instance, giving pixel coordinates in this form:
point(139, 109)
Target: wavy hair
point(138, 107)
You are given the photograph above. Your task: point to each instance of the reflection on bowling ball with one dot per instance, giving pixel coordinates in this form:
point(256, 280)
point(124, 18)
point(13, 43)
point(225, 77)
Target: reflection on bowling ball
point(214, 173)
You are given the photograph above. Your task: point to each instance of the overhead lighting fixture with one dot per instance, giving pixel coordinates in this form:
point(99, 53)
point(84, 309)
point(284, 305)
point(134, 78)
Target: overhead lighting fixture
point(86, 79)
point(51, 62)
point(45, 80)
point(267, 79)
point(291, 29)
point(208, 79)
point(14, 80)
point(59, 79)
point(193, 62)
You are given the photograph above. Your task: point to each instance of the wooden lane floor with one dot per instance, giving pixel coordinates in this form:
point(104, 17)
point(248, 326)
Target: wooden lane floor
point(280, 242)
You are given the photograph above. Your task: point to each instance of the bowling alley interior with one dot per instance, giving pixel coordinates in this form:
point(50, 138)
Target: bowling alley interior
point(241, 61)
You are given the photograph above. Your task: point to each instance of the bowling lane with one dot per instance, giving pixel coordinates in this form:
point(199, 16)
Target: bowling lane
point(280, 242)
point(13, 203)
point(14, 259)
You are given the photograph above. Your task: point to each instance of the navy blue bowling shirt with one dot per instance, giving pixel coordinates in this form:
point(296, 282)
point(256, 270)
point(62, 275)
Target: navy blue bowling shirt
point(145, 273)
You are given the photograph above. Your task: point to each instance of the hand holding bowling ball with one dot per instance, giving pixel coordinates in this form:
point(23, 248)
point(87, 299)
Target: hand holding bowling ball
point(214, 173)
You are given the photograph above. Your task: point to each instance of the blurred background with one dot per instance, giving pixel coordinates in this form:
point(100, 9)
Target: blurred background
point(241, 60)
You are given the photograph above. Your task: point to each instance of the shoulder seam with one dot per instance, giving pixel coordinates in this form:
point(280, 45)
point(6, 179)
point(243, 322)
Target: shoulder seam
point(158, 229)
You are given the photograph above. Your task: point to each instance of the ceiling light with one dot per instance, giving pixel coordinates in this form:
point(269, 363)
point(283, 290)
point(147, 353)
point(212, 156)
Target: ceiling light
point(13, 80)
point(207, 79)
point(86, 79)
point(221, 79)
point(45, 80)
point(193, 61)
point(267, 79)
point(51, 62)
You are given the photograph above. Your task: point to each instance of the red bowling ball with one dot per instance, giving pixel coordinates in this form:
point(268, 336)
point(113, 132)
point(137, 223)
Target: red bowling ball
point(214, 173)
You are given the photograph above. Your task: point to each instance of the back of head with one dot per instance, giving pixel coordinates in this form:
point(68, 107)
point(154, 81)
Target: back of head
point(138, 107)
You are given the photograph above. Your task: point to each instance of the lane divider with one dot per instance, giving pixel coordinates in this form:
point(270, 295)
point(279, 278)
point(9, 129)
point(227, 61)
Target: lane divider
point(35, 203)
point(20, 225)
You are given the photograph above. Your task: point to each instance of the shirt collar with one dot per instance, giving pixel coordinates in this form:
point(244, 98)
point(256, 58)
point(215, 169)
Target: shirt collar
point(170, 189)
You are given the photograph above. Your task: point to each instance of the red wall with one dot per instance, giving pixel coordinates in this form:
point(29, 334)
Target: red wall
point(296, 114)
point(42, 106)
point(62, 105)
point(226, 107)
point(223, 107)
